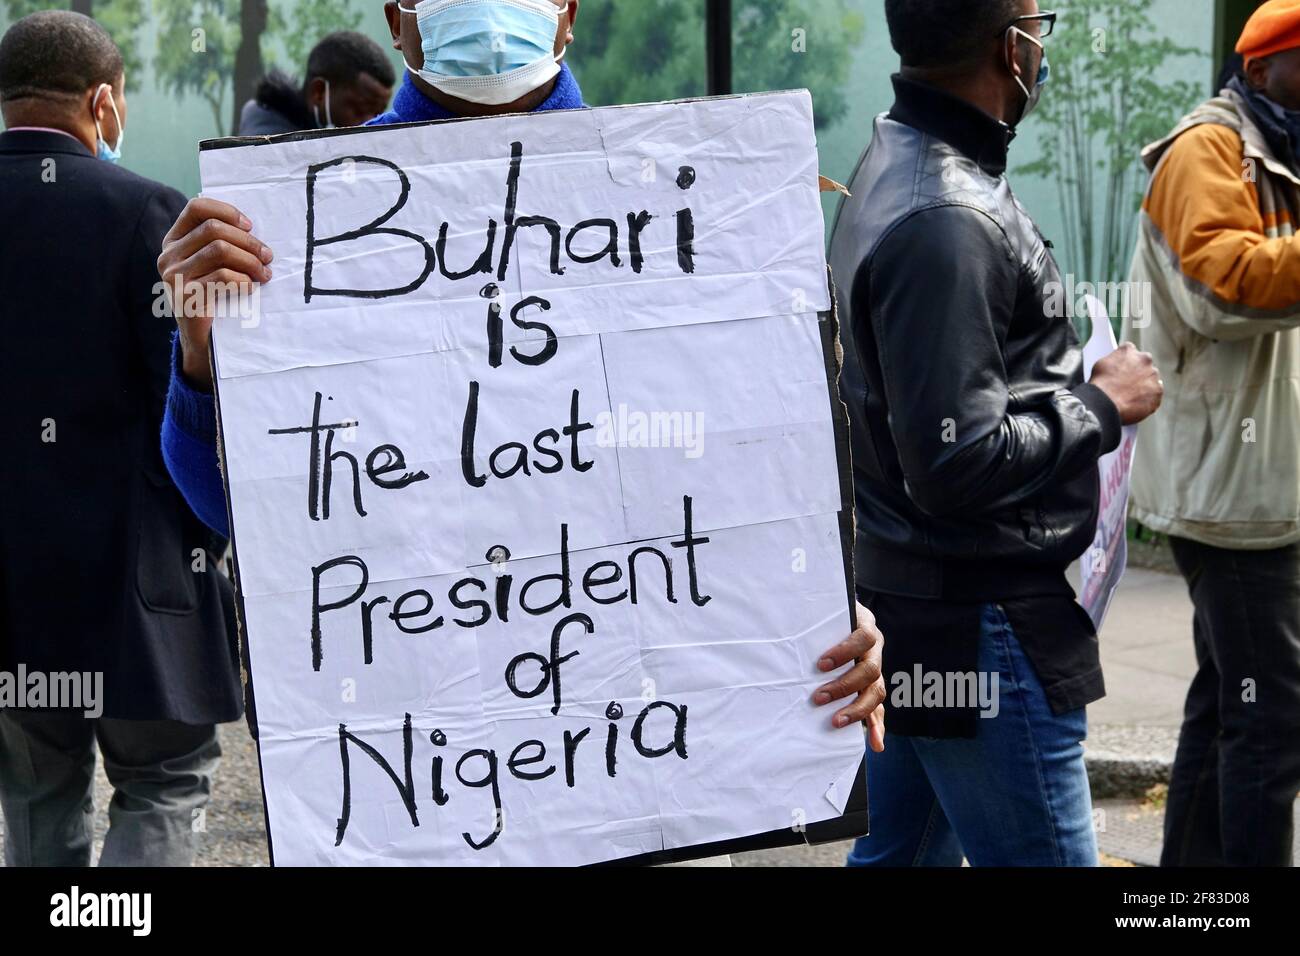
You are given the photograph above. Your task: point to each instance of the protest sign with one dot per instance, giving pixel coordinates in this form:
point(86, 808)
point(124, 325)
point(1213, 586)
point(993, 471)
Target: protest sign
point(1102, 566)
point(536, 470)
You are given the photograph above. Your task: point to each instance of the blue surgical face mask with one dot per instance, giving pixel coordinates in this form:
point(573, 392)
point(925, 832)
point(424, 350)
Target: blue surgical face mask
point(487, 51)
point(102, 149)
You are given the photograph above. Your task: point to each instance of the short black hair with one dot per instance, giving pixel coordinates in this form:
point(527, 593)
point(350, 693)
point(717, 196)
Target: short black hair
point(929, 33)
point(343, 56)
point(56, 53)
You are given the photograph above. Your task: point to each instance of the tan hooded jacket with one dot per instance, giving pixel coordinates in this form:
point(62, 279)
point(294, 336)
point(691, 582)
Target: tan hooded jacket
point(1219, 258)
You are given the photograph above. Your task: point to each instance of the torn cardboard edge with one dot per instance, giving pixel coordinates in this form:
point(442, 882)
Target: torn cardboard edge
point(827, 185)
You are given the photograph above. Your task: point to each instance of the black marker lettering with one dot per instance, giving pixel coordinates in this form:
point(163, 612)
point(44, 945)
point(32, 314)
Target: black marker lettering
point(482, 265)
point(571, 742)
point(317, 608)
point(463, 605)
point(609, 249)
point(407, 789)
point(572, 431)
point(440, 797)
point(636, 223)
point(374, 227)
point(547, 351)
point(689, 541)
point(489, 779)
point(472, 478)
point(515, 762)
point(396, 462)
point(678, 742)
point(398, 616)
point(686, 241)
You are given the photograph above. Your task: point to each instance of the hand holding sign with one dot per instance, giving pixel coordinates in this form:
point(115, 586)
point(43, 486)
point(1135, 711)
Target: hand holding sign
point(1131, 380)
point(209, 249)
point(864, 648)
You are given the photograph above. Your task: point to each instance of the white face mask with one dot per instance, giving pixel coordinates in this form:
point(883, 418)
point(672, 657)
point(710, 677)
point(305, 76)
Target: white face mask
point(487, 51)
point(111, 154)
point(1033, 96)
point(329, 120)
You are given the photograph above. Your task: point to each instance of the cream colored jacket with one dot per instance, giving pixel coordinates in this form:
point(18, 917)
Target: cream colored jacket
point(1216, 300)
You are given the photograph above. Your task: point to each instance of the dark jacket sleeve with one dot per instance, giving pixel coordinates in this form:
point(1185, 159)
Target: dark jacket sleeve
point(189, 430)
point(939, 291)
point(188, 417)
point(153, 324)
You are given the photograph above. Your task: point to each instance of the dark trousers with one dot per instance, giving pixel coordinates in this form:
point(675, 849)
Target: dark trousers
point(1237, 772)
point(161, 772)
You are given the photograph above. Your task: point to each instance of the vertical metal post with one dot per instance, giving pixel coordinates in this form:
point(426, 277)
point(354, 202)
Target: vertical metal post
point(718, 46)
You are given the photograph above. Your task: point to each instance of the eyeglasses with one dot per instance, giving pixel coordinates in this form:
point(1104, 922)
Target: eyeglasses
point(1046, 23)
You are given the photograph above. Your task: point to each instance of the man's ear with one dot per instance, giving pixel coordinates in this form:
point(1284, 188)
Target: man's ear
point(315, 91)
point(97, 101)
point(564, 35)
point(1257, 73)
point(394, 18)
point(1011, 53)
point(573, 18)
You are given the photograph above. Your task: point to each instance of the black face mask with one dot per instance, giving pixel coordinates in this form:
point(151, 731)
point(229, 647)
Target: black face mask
point(1281, 126)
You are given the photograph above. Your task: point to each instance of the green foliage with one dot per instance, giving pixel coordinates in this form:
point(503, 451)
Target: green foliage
point(121, 18)
point(626, 52)
point(640, 52)
point(1106, 101)
point(188, 61)
point(654, 50)
point(309, 22)
point(783, 45)
point(210, 74)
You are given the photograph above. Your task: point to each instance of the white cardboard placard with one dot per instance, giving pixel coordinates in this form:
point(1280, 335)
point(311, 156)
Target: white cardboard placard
point(534, 463)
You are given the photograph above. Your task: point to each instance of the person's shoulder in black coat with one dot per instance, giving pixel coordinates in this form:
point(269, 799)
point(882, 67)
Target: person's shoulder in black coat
point(91, 232)
point(98, 552)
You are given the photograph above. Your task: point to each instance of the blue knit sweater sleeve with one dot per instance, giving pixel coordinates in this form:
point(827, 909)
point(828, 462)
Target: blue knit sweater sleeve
point(189, 448)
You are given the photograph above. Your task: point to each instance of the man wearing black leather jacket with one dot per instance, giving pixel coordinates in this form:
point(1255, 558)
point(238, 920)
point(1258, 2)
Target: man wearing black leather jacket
point(975, 449)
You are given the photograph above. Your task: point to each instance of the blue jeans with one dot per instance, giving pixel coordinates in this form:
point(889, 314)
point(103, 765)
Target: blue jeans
point(1015, 795)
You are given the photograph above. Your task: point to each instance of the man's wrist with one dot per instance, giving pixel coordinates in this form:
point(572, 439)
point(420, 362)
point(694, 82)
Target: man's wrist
point(190, 410)
point(195, 367)
point(1098, 401)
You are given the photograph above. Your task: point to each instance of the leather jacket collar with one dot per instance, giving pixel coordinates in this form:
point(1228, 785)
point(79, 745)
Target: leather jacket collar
point(966, 128)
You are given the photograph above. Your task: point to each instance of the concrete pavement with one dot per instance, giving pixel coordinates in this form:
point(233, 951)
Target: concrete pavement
point(1148, 659)
point(1146, 653)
